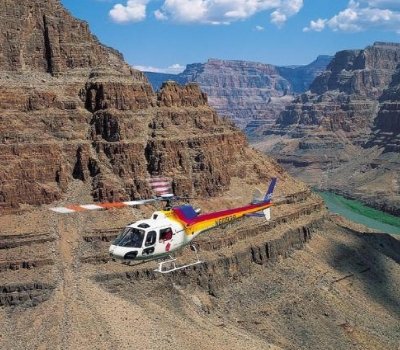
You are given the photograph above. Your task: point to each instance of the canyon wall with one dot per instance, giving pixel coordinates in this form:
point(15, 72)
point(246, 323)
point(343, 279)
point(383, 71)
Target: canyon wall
point(72, 110)
point(343, 134)
point(251, 94)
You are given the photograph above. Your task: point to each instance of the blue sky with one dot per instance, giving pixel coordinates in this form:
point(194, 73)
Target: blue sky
point(172, 33)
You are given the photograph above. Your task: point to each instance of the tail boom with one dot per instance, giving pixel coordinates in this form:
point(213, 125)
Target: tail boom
point(196, 224)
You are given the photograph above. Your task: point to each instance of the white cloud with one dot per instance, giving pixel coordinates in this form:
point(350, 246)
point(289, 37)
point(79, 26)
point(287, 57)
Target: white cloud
point(278, 18)
point(173, 69)
point(184, 10)
point(287, 9)
point(259, 28)
point(160, 16)
point(206, 11)
point(226, 11)
point(133, 11)
point(177, 68)
point(388, 4)
point(362, 15)
point(317, 25)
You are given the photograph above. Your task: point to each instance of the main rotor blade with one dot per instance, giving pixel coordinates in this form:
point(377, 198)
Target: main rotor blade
point(100, 206)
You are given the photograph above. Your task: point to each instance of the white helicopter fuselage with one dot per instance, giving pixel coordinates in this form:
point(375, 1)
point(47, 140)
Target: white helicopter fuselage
point(157, 237)
point(167, 231)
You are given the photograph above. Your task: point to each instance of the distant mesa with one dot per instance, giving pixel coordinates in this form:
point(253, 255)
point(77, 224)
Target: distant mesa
point(252, 94)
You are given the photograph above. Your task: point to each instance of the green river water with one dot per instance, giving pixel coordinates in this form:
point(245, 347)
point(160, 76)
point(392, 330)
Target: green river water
point(357, 212)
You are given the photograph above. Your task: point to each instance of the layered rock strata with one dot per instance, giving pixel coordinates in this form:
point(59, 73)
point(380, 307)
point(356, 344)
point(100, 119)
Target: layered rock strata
point(386, 131)
point(249, 93)
point(243, 91)
point(72, 109)
point(342, 135)
point(256, 278)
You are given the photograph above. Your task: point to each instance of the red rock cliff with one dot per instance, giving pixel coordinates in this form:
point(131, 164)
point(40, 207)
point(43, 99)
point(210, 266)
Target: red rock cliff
point(71, 108)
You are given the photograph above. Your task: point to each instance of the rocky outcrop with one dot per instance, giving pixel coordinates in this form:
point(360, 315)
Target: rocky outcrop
point(360, 72)
point(43, 37)
point(26, 295)
point(72, 109)
point(251, 94)
point(345, 97)
point(24, 264)
point(342, 135)
point(173, 95)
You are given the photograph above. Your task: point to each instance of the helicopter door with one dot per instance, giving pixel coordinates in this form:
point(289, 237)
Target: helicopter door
point(149, 243)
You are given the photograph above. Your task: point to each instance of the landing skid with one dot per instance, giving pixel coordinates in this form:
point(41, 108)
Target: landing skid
point(169, 265)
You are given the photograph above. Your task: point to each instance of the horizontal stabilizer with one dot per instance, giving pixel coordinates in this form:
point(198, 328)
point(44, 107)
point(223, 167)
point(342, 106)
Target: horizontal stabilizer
point(255, 215)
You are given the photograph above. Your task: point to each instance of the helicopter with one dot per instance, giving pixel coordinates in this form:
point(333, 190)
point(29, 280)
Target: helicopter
point(173, 228)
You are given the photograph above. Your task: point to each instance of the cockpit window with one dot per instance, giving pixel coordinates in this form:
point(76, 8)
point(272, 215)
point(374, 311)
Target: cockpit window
point(130, 237)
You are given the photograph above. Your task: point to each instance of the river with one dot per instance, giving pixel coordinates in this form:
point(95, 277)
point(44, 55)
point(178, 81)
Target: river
point(357, 212)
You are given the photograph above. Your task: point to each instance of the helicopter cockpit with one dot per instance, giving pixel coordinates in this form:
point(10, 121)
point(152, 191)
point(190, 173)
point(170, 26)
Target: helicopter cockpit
point(141, 239)
point(131, 237)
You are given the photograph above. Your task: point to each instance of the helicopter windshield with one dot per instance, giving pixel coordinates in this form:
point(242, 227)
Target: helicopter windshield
point(130, 237)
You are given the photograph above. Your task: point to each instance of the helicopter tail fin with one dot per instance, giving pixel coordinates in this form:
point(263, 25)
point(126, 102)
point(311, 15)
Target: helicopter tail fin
point(268, 195)
point(258, 198)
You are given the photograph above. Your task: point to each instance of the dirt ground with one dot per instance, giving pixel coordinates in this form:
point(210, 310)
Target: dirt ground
point(340, 291)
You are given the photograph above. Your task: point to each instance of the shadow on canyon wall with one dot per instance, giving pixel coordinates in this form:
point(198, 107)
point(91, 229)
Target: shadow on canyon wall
point(367, 261)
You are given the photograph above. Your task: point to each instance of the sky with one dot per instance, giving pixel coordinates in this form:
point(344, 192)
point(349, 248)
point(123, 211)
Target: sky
point(165, 35)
